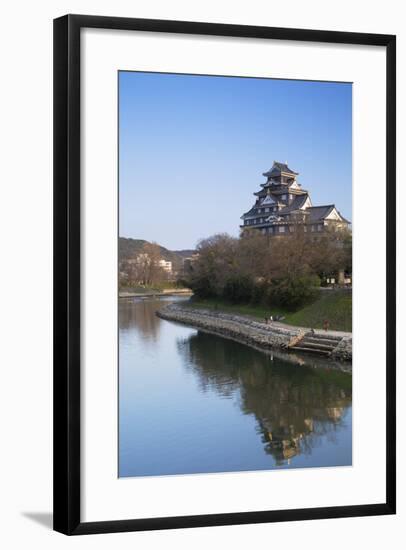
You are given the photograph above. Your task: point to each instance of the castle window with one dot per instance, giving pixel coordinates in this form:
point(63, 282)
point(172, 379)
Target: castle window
point(284, 197)
point(282, 229)
point(266, 209)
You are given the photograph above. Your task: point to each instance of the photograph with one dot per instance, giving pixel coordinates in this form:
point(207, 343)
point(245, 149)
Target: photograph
point(212, 343)
point(234, 274)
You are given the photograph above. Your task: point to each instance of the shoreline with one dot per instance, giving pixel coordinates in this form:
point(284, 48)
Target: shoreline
point(275, 337)
point(152, 294)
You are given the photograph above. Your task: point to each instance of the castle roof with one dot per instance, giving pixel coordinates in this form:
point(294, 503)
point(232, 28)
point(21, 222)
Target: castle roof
point(250, 212)
point(269, 199)
point(320, 213)
point(317, 213)
point(278, 168)
point(296, 204)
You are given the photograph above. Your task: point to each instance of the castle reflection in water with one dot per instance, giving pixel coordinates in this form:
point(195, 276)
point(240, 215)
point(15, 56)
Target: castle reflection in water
point(194, 402)
point(294, 405)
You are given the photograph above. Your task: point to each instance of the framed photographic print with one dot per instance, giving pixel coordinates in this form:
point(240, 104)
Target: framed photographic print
point(224, 303)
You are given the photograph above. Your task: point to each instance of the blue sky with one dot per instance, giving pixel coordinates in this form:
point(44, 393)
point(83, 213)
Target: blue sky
point(192, 149)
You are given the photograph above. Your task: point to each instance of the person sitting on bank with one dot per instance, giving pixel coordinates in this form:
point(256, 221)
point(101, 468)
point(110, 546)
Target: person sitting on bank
point(326, 324)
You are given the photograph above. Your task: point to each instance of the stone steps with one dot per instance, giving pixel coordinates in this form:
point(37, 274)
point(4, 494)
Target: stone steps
point(316, 345)
point(311, 350)
point(322, 344)
point(325, 341)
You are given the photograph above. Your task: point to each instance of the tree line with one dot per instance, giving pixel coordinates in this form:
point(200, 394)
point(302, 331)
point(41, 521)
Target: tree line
point(259, 269)
point(144, 268)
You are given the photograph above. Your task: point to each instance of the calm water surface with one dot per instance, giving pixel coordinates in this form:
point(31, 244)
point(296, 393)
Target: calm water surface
point(191, 402)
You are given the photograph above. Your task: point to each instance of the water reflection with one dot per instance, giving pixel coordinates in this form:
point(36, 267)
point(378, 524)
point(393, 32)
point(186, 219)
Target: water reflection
point(193, 402)
point(293, 405)
point(138, 314)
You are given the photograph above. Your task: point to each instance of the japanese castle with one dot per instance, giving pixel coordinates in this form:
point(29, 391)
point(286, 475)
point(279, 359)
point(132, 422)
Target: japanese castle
point(282, 204)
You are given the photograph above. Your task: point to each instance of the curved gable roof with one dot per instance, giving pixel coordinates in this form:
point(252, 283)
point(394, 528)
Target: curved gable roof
point(278, 168)
point(320, 213)
point(297, 204)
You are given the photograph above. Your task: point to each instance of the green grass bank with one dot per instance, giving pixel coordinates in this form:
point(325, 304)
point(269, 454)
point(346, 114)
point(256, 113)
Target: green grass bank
point(334, 305)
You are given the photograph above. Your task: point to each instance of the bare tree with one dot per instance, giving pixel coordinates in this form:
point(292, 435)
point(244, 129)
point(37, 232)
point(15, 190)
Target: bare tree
point(227, 266)
point(150, 257)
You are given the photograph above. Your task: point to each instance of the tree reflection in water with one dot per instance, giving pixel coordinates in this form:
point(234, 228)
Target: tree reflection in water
point(294, 405)
point(139, 314)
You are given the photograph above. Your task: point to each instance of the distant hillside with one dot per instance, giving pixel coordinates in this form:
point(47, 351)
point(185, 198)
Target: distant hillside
point(129, 248)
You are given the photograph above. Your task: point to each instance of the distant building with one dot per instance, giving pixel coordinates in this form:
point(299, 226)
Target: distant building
point(165, 265)
point(281, 204)
point(145, 259)
point(141, 258)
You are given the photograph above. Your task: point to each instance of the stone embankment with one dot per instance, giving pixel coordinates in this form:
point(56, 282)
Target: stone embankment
point(252, 332)
point(343, 351)
point(155, 293)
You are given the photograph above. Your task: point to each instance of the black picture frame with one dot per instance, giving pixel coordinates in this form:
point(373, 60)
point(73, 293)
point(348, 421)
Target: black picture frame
point(67, 293)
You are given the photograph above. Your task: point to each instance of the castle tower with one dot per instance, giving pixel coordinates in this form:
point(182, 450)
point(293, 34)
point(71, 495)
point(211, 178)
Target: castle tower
point(282, 203)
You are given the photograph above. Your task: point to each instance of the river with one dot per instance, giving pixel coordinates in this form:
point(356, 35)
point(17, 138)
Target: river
point(192, 402)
